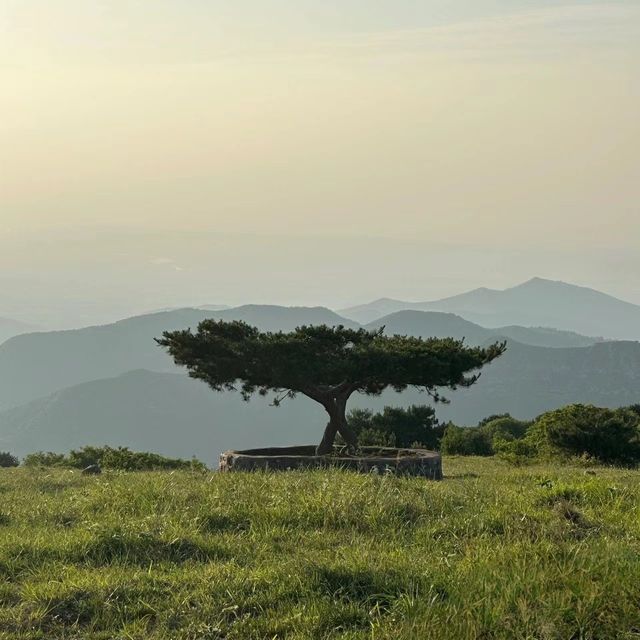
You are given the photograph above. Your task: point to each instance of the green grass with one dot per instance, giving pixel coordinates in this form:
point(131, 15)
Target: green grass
point(491, 552)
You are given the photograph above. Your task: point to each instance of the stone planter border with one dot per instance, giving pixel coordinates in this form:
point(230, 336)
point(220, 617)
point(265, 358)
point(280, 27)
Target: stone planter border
point(408, 462)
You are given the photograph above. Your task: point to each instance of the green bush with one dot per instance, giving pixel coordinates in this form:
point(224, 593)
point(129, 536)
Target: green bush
point(516, 452)
point(492, 418)
point(121, 459)
point(397, 427)
point(483, 440)
point(607, 435)
point(8, 460)
point(504, 428)
point(466, 441)
point(610, 436)
point(45, 459)
point(635, 408)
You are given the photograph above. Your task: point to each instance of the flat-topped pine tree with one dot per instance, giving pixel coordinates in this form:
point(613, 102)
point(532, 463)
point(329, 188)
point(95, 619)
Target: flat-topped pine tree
point(326, 364)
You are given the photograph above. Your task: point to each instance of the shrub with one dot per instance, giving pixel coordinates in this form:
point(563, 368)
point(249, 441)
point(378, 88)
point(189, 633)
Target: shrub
point(635, 408)
point(8, 460)
point(483, 440)
point(504, 428)
point(121, 459)
point(126, 460)
point(578, 431)
point(44, 459)
point(466, 441)
point(492, 418)
point(607, 435)
point(516, 452)
point(397, 427)
point(370, 437)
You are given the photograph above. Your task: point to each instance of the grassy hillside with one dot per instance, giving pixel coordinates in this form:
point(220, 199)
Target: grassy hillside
point(492, 552)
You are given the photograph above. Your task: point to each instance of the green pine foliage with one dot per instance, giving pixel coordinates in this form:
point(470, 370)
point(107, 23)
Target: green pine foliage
point(8, 460)
point(415, 426)
point(326, 364)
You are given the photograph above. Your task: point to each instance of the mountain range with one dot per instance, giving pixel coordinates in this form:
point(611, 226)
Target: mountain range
point(38, 364)
point(442, 325)
point(168, 413)
point(535, 303)
point(172, 414)
point(111, 384)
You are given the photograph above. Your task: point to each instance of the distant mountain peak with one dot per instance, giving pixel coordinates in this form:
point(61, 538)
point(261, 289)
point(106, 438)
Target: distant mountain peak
point(538, 302)
point(538, 282)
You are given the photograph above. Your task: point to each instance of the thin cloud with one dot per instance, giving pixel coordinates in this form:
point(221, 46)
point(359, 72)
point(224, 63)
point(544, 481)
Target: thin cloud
point(90, 34)
point(166, 262)
point(532, 33)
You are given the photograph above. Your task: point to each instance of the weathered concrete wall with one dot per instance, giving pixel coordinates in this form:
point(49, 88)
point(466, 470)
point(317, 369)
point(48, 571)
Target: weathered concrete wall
point(410, 462)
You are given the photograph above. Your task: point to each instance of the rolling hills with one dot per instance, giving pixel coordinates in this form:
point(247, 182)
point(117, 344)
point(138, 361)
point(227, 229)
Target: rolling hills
point(528, 380)
point(168, 413)
point(36, 365)
point(441, 325)
point(174, 415)
point(112, 384)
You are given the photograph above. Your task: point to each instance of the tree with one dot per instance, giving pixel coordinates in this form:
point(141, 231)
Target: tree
point(326, 364)
point(397, 427)
point(8, 460)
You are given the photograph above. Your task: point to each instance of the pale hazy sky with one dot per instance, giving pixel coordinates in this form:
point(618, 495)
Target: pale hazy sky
point(508, 125)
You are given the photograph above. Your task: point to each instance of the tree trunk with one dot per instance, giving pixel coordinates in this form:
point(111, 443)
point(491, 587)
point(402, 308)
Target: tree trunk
point(336, 408)
point(328, 438)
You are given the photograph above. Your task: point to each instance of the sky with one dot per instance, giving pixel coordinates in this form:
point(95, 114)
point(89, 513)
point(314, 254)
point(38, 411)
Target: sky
point(412, 148)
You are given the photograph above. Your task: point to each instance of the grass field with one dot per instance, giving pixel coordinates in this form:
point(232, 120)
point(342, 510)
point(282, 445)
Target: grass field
point(491, 552)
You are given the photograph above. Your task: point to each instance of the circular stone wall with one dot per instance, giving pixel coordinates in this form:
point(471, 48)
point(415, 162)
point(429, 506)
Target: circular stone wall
point(410, 462)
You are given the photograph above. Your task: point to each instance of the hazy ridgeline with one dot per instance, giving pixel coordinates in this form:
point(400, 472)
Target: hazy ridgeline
point(112, 385)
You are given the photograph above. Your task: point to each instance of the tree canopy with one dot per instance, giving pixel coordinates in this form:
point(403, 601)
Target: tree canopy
point(327, 364)
point(416, 425)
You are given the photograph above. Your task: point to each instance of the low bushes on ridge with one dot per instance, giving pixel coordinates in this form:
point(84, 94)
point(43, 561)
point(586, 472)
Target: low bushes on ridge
point(486, 438)
point(609, 436)
point(120, 458)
